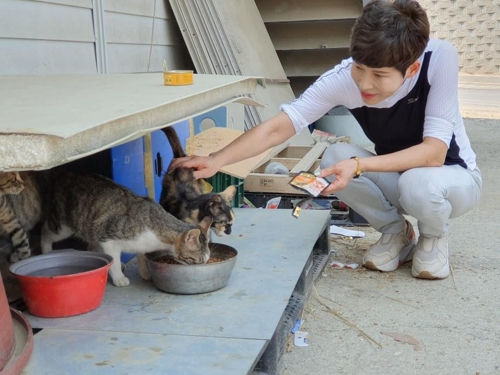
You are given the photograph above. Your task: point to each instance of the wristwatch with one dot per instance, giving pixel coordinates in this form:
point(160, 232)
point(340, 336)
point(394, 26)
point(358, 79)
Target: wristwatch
point(358, 170)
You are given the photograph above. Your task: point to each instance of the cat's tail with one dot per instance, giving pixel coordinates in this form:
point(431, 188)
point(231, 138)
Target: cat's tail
point(174, 141)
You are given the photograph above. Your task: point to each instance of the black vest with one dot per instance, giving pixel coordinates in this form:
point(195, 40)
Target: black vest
point(401, 126)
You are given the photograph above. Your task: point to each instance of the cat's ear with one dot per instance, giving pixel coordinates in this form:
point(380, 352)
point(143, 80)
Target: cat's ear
point(18, 178)
point(229, 193)
point(193, 237)
point(206, 223)
point(216, 199)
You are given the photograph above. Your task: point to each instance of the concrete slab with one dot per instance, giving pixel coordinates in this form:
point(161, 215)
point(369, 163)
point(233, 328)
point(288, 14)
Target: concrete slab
point(61, 352)
point(140, 329)
point(51, 120)
point(273, 249)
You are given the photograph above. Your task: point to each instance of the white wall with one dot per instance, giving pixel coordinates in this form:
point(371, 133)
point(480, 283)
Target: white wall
point(88, 36)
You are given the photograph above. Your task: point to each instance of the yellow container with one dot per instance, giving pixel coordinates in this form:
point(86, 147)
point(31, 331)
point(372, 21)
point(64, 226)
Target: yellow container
point(178, 77)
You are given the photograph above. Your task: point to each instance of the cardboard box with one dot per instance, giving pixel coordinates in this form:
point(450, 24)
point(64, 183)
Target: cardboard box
point(295, 159)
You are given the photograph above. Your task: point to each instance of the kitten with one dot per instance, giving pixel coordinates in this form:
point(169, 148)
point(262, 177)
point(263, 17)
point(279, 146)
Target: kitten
point(20, 209)
point(187, 198)
point(112, 219)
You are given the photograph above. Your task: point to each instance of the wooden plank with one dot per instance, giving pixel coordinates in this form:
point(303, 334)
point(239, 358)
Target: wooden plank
point(214, 139)
point(273, 152)
point(190, 140)
point(310, 35)
point(288, 163)
point(308, 10)
point(294, 152)
point(148, 166)
point(312, 156)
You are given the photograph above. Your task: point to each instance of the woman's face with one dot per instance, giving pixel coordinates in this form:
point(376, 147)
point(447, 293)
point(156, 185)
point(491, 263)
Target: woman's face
point(378, 84)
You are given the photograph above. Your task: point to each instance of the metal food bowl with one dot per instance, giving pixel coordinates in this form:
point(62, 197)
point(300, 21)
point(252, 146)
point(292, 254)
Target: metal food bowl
point(194, 278)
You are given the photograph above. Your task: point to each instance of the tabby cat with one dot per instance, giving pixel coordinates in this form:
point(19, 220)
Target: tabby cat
point(20, 209)
point(112, 219)
point(187, 198)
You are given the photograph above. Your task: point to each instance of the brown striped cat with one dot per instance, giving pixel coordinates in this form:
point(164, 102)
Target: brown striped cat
point(113, 219)
point(187, 198)
point(20, 209)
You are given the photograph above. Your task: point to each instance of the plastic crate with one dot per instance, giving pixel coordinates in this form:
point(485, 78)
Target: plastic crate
point(220, 181)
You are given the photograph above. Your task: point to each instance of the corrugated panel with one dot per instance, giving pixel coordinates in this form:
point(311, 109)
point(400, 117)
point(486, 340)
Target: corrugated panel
point(222, 38)
point(130, 29)
point(20, 56)
point(308, 10)
point(132, 58)
point(310, 35)
point(139, 7)
point(38, 20)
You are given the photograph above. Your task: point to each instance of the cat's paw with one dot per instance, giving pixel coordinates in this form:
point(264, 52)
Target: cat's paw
point(24, 252)
point(122, 281)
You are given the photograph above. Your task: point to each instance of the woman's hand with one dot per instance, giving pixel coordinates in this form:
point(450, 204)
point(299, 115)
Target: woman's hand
point(344, 171)
point(204, 166)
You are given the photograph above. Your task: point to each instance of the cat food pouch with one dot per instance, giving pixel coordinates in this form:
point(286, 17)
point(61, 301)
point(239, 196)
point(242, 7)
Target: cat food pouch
point(309, 183)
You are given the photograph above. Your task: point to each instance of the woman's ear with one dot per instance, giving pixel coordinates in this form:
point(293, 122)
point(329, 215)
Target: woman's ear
point(413, 69)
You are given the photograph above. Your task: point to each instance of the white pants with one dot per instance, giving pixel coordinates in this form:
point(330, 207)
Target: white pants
point(432, 195)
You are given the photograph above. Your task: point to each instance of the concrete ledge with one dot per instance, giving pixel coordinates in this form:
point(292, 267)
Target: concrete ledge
point(50, 120)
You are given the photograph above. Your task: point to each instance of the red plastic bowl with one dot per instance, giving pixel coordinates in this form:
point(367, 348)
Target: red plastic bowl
point(63, 282)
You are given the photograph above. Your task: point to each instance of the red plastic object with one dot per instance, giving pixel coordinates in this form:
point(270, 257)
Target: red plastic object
point(24, 345)
point(7, 338)
point(67, 294)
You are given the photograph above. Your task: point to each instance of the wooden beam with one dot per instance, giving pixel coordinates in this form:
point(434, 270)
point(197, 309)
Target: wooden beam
point(312, 156)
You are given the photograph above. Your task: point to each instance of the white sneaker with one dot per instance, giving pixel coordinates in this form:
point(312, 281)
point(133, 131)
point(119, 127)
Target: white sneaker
point(391, 250)
point(431, 258)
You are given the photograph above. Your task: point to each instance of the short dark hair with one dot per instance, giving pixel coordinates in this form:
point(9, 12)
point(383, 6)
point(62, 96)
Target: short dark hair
point(390, 34)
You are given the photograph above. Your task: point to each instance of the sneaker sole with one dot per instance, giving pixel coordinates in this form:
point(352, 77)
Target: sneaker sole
point(394, 264)
point(443, 274)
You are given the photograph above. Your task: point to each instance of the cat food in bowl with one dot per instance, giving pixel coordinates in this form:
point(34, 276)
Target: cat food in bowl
point(172, 277)
point(63, 282)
